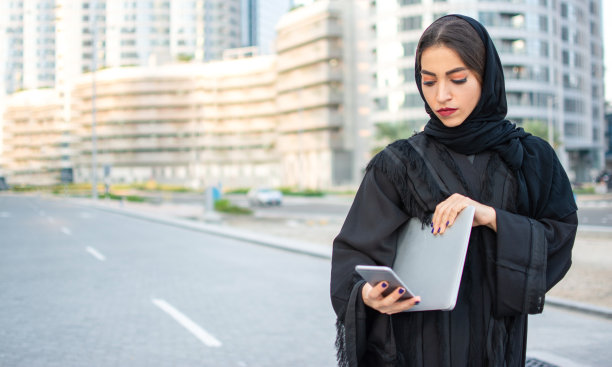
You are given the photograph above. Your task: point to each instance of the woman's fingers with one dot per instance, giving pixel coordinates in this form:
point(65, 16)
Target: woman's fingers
point(390, 304)
point(446, 212)
point(399, 305)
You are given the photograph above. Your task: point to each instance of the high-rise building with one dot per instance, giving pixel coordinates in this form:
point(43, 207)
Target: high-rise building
point(259, 19)
point(553, 63)
point(28, 44)
point(49, 42)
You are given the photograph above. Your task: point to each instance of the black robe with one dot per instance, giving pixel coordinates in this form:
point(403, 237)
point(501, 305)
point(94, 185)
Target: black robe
point(506, 273)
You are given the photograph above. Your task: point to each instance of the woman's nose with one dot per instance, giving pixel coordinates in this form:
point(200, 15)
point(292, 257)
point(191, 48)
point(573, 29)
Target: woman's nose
point(444, 93)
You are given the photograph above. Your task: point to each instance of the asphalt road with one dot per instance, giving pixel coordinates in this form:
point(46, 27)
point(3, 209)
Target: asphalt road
point(80, 286)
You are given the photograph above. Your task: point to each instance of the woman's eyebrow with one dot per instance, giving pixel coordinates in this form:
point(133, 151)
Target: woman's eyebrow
point(461, 68)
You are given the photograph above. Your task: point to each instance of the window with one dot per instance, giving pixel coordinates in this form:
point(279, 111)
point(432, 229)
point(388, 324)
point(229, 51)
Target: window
point(544, 49)
point(565, 57)
point(543, 23)
point(410, 23)
point(564, 10)
point(408, 2)
point(564, 34)
point(573, 105)
point(409, 48)
point(572, 81)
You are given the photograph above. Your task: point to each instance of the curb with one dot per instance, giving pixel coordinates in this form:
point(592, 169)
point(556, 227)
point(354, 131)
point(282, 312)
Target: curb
point(579, 306)
point(291, 245)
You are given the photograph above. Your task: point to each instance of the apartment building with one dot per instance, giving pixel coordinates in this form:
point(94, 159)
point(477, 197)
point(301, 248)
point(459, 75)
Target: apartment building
point(553, 63)
point(36, 139)
point(191, 124)
point(321, 95)
point(28, 44)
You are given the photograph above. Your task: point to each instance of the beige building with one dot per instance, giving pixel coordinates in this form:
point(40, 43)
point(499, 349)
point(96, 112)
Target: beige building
point(195, 124)
point(323, 100)
point(36, 139)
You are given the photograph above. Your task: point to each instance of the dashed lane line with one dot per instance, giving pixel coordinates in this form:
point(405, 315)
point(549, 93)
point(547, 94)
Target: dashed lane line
point(95, 253)
point(206, 338)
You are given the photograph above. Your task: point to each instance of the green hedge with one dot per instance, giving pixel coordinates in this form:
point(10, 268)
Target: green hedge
point(225, 206)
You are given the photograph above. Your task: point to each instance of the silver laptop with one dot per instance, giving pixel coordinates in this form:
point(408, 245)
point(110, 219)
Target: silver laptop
point(431, 266)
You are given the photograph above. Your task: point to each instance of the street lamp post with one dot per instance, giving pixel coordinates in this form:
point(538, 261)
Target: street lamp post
point(94, 66)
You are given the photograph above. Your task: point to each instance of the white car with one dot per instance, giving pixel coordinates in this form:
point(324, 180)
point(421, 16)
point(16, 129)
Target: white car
point(264, 196)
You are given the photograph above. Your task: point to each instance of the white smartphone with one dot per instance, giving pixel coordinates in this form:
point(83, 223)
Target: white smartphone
point(375, 274)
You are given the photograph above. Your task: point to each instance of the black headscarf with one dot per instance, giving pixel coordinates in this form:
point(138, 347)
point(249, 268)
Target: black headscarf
point(486, 128)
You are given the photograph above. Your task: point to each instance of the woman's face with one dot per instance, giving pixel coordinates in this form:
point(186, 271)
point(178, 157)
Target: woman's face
point(451, 89)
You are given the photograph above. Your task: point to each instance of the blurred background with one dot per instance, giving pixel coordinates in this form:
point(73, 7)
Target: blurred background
point(280, 93)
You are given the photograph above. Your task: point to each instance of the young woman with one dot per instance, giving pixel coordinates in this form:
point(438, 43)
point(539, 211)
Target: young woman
point(468, 154)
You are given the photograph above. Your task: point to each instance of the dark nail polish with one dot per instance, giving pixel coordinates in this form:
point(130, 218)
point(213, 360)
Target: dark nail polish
point(401, 291)
point(439, 229)
point(384, 285)
point(431, 224)
point(432, 230)
point(447, 222)
point(417, 302)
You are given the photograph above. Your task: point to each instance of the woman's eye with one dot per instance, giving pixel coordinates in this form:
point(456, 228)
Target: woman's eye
point(459, 81)
point(428, 82)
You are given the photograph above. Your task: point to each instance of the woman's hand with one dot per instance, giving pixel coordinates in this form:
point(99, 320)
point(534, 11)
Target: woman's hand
point(373, 297)
point(447, 211)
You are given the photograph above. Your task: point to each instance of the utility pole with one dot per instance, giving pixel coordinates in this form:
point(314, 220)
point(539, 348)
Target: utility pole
point(94, 66)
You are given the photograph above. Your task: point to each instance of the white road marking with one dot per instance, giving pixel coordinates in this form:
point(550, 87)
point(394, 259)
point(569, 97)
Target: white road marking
point(5, 215)
point(66, 231)
point(192, 327)
point(95, 253)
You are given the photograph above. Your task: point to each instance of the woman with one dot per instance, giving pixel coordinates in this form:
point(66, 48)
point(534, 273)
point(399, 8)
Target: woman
point(468, 154)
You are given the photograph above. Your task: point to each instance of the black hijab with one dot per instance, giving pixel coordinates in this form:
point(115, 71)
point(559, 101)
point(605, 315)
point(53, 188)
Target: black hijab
point(486, 128)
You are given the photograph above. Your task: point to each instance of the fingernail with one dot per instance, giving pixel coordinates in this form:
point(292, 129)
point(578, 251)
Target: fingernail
point(432, 230)
point(417, 302)
point(384, 285)
point(401, 291)
point(447, 222)
point(439, 229)
point(431, 224)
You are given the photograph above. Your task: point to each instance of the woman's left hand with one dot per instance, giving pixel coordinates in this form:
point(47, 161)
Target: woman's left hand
point(447, 211)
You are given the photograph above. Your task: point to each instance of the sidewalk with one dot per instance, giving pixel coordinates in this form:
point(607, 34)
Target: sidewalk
point(585, 288)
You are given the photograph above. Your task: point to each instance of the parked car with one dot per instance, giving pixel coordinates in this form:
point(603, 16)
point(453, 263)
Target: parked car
point(264, 196)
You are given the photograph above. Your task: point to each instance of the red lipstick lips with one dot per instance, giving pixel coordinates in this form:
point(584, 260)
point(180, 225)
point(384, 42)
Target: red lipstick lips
point(446, 111)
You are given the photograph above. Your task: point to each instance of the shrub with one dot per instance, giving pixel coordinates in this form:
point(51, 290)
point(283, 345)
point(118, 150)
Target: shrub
point(225, 206)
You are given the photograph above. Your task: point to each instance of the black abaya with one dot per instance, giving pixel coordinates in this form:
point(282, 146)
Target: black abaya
point(505, 276)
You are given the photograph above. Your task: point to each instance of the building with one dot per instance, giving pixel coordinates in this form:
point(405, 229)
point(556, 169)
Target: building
point(322, 95)
point(190, 124)
point(36, 139)
point(27, 44)
point(553, 63)
point(298, 118)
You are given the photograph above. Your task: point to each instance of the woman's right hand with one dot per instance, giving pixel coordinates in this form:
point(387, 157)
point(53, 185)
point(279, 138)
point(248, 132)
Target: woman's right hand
point(373, 297)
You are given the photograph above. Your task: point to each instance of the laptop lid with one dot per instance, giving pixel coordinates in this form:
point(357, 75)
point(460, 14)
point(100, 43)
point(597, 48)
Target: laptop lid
point(431, 266)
